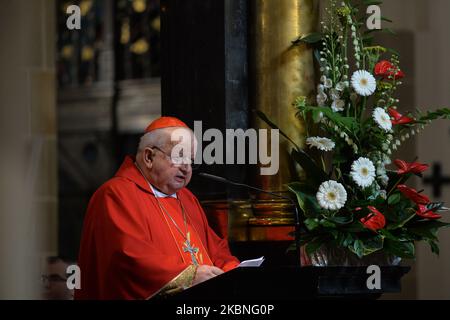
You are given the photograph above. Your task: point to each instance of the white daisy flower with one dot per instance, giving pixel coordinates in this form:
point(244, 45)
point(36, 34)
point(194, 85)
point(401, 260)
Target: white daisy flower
point(331, 195)
point(382, 119)
point(363, 172)
point(364, 83)
point(338, 105)
point(320, 143)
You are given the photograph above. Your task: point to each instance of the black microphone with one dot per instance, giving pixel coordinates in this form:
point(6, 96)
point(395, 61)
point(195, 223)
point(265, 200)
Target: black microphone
point(243, 185)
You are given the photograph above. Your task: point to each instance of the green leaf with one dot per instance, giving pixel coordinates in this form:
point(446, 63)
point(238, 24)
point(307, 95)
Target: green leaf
point(313, 172)
point(309, 39)
point(317, 57)
point(386, 234)
point(348, 123)
point(364, 247)
point(434, 246)
point(424, 233)
point(394, 199)
point(316, 115)
point(357, 248)
point(443, 113)
point(430, 224)
point(348, 240)
point(341, 220)
point(355, 227)
point(386, 19)
point(327, 224)
point(388, 30)
point(400, 249)
point(311, 224)
point(427, 230)
point(402, 222)
point(306, 201)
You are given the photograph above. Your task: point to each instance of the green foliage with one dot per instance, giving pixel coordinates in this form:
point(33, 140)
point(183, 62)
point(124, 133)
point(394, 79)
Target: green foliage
point(310, 39)
point(355, 122)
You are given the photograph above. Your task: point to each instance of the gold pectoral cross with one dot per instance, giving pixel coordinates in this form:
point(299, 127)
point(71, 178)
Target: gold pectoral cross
point(192, 250)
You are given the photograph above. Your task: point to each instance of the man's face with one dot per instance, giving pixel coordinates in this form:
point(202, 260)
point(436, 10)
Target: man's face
point(55, 287)
point(170, 169)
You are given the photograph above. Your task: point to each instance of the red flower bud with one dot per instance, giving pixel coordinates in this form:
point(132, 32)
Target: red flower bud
point(385, 69)
point(375, 220)
point(424, 212)
point(398, 118)
point(405, 167)
point(413, 195)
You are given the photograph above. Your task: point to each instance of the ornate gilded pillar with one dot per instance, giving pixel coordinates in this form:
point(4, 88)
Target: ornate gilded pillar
point(278, 74)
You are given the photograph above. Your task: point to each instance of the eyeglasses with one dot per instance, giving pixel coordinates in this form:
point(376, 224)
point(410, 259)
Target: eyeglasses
point(179, 160)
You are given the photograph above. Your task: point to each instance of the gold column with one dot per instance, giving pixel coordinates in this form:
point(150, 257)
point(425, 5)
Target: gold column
point(280, 73)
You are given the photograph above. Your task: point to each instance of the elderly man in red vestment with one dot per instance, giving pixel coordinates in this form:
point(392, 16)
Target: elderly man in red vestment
point(145, 233)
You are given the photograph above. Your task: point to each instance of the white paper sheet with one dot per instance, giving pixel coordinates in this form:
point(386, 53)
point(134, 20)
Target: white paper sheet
point(252, 263)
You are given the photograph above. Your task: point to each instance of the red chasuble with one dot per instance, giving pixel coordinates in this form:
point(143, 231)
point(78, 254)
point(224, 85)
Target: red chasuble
point(131, 248)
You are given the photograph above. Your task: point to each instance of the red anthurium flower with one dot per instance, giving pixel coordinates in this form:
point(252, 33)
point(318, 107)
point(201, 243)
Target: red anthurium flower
point(424, 212)
point(413, 195)
point(405, 167)
point(385, 69)
point(375, 220)
point(398, 118)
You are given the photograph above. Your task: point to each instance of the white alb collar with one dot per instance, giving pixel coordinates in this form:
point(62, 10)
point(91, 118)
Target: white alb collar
point(157, 193)
point(160, 194)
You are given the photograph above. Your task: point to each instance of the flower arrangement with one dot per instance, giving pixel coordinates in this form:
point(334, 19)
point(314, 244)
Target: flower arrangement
point(353, 201)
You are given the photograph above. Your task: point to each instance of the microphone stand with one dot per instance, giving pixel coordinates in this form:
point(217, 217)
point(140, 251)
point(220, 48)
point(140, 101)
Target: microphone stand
point(243, 185)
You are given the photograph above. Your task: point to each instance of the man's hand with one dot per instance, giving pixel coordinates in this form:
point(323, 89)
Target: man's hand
point(205, 272)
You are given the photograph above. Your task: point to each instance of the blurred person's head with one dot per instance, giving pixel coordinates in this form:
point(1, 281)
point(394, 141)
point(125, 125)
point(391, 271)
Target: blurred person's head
point(55, 280)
